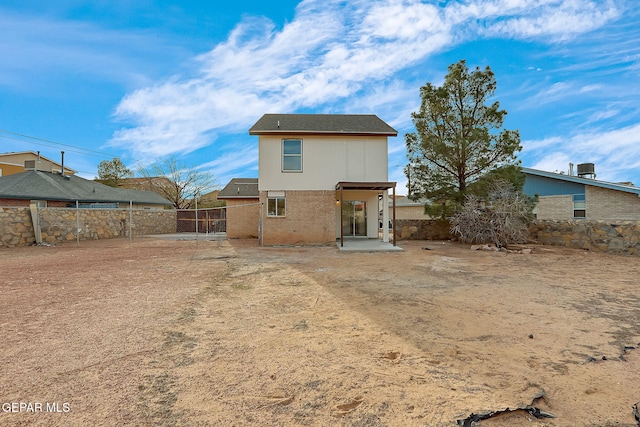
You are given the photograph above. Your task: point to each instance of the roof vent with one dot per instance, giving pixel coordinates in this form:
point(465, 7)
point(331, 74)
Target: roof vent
point(30, 165)
point(587, 170)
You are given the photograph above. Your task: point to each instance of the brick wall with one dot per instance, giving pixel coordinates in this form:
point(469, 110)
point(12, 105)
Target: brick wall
point(603, 204)
point(555, 207)
point(310, 219)
point(59, 225)
point(243, 218)
point(14, 202)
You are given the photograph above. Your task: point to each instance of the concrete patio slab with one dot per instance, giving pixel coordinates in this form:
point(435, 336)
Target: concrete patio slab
point(367, 245)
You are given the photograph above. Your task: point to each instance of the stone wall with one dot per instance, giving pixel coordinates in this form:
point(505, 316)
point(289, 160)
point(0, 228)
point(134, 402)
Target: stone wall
point(422, 229)
point(15, 227)
point(59, 225)
point(622, 237)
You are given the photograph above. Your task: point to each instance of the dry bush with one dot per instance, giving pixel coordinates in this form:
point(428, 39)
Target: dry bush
point(502, 218)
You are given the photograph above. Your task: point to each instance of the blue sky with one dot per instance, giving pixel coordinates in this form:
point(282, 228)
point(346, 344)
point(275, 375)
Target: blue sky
point(153, 78)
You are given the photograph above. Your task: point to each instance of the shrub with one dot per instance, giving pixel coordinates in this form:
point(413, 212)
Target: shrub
point(503, 218)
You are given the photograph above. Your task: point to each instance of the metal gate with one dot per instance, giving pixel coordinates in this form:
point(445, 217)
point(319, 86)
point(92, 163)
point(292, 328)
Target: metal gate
point(209, 221)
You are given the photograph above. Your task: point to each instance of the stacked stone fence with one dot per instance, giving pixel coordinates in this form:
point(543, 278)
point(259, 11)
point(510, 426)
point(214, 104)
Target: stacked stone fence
point(59, 225)
point(422, 229)
point(621, 237)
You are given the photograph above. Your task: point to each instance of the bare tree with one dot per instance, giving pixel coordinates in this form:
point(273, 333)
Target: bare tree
point(503, 218)
point(177, 182)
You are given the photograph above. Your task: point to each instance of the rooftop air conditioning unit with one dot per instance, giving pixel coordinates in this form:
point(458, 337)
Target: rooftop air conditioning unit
point(585, 169)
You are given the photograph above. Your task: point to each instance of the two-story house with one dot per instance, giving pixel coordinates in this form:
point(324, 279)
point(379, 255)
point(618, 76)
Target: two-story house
point(18, 162)
point(322, 177)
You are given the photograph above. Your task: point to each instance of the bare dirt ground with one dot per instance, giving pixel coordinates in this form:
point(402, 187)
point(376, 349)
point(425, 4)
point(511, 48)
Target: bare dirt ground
point(226, 333)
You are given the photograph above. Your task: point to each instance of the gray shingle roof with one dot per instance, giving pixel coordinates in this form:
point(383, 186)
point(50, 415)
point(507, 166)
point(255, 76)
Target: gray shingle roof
point(350, 124)
point(240, 188)
point(38, 185)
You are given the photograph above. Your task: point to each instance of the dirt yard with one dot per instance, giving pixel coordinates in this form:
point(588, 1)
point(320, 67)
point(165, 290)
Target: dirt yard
point(189, 333)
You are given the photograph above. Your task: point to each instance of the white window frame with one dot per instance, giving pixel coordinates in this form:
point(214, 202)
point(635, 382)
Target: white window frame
point(277, 197)
point(290, 155)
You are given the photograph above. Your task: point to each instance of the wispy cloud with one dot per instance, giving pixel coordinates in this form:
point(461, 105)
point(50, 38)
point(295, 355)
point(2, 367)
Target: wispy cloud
point(615, 152)
point(551, 18)
point(230, 164)
point(333, 56)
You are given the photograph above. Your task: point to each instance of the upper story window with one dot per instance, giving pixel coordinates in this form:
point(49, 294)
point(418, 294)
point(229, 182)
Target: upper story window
point(291, 155)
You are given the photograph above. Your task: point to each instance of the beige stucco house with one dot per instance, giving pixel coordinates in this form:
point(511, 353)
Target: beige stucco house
point(322, 177)
point(22, 161)
point(408, 209)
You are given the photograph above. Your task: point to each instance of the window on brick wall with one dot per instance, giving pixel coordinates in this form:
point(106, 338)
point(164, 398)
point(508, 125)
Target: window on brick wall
point(291, 155)
point(579, 206)
point(276, 203)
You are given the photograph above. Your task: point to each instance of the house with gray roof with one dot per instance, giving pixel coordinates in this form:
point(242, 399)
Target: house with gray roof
point(49, 189)
point(322, 178)
point(566, 196)
point(243, 207)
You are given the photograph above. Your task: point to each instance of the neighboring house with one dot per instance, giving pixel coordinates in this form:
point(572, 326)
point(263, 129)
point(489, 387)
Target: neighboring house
point(408, 209)
point(48, 189)
point(322, 177)
point(243, 207)
point(18, 162)
point(565, 196)
point(146, 184)
point(210, 200)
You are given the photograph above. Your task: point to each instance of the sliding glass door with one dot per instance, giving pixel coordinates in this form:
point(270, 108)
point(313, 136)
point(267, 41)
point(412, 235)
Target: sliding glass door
point(354, 218)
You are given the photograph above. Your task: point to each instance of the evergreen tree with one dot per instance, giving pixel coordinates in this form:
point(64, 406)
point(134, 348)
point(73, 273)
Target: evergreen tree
point(459, 140)
point(111, 172)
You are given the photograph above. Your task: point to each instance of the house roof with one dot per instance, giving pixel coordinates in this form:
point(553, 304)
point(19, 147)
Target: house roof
point(240, 188)
point(38, 185)
point(586, 181)
point(328, 124)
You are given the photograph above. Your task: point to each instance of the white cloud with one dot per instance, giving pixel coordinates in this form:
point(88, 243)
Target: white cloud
point(230, 162)
point(559, 19)
point(616, 153)
point(332, 56)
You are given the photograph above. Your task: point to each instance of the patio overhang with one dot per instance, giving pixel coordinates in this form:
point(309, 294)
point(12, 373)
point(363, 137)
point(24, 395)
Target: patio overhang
point(371, 186)
point(346, 185)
